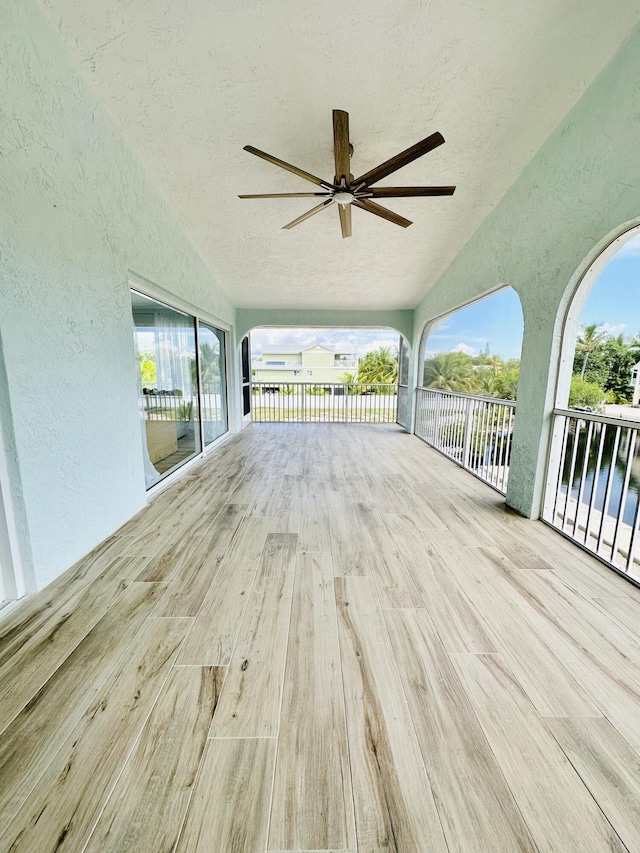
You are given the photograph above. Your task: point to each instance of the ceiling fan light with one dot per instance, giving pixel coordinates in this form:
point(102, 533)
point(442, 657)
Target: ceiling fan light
point(343, 197)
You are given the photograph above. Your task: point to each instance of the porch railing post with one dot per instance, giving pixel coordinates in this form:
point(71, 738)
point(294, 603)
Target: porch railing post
point(468, 433)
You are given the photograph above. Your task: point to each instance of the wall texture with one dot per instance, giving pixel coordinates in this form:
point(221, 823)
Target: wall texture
point(248, 319)
point(78, 211)
point(579, 192)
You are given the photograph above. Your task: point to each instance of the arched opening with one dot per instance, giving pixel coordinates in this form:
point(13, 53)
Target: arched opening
point(593, 482)
point(601, 342)
point(321, 374)
point(469, 370)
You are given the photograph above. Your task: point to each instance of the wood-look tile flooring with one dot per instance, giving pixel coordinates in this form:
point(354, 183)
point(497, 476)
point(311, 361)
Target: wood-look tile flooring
point(324, 638)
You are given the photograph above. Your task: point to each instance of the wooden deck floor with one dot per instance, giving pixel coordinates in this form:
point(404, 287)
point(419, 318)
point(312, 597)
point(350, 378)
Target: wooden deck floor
point(324, 638)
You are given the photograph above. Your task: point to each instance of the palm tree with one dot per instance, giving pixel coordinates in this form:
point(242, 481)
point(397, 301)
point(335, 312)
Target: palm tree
point(381, 365)
point(450, 371)
point(588, 341)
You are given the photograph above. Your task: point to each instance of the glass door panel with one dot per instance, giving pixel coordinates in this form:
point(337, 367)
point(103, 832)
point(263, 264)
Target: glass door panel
point(213, 380)
point(167, 380)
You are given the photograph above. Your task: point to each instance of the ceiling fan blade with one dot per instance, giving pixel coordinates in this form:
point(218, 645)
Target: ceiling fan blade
point(308, 214)
point(285, 195)
point(400, 160)
point(372, 207)
point(276, 162)
point(406, 192)
point(341, 145)
point(345, 219)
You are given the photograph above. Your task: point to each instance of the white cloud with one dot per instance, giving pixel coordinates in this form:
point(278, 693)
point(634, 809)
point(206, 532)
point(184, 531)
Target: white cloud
point(614, 329)
point(464, 348)
point(390, 343)
point(347, 340)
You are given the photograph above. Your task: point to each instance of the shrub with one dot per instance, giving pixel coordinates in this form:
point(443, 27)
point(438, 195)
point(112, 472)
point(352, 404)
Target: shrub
point(585, 394)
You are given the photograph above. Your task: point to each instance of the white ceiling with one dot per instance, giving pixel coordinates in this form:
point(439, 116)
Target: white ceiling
point(190, 82)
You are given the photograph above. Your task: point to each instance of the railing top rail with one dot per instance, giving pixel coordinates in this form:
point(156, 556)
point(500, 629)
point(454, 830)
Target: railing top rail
point(480, 397)
point(596, 418)
point(320, 382)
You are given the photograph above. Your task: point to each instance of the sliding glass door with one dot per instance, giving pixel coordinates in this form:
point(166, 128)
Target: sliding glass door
point(181, 381)
point(212, 375)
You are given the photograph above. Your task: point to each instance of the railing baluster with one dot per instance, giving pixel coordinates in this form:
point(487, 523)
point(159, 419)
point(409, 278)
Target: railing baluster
point(500, 469)
point(572, 468)
point(499, 460)
point(594, 486)
point(563, 454)
point(631, 437)
point(607, 494)
point(632, 541)
point(486, 432)
point(480, 446)
point(583, 475)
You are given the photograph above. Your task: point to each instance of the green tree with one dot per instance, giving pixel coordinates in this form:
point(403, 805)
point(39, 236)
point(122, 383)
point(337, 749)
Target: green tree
point(588, 342)
point(380, 365)
point(585, 394)
point(209, 364)
point(147, 367)
point(609, 366)
point(506, 381)
point(620, 358)
point(451, 371)
point(350, 380)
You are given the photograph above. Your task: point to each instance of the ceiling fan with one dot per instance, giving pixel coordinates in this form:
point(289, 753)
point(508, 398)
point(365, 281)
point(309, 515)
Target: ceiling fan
point(347, 191)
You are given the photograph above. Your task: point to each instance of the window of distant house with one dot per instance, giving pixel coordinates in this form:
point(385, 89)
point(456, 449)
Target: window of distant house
point(279, 363)
point(181, 382)
point(309, 372)
point(296, 373)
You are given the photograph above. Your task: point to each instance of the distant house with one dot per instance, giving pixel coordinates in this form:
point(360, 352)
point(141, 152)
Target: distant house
point(315, 364)
point(635, 384)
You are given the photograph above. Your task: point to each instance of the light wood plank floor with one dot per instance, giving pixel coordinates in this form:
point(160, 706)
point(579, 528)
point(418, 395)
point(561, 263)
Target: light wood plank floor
point(324, 637)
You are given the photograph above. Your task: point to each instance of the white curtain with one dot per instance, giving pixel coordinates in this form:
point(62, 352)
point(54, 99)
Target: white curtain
point(174, 344)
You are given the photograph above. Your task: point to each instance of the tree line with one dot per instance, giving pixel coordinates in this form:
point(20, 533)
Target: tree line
point(601, 370)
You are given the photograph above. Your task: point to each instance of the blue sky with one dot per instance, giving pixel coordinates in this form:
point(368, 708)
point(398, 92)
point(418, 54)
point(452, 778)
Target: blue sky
point(495, 320)
point(614, 304)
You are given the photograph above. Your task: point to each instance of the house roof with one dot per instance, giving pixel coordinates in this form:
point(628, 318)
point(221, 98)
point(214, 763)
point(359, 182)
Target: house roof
point(293, 349)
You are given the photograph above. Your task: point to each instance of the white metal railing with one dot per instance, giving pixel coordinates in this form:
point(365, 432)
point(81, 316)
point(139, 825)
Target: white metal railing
point(474, 431)
point(326, 402)
point(593, 486)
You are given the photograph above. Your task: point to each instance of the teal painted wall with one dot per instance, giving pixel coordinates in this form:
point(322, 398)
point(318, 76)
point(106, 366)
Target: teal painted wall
point(78, 211)
point(248, 319)
point(579, 192)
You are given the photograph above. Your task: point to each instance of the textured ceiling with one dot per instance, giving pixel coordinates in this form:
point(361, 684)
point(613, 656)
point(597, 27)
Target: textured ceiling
point(192, 81)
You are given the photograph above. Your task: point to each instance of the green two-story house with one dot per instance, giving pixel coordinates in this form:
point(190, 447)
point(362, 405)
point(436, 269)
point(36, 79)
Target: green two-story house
point(317, 364)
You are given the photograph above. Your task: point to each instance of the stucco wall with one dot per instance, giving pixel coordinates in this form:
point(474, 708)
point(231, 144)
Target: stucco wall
point(78, 211)
point(578, 192)
point(251, 318)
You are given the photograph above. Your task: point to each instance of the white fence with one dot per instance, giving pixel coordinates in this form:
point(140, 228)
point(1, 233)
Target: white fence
point(326, 402)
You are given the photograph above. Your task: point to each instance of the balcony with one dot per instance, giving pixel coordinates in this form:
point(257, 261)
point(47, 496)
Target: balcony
point(311, 644)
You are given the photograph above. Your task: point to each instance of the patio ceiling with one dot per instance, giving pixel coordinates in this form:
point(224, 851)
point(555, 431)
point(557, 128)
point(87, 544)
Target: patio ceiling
point(190, 83)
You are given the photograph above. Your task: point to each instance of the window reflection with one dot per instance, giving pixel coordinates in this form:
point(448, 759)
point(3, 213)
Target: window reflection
point(167, 379)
